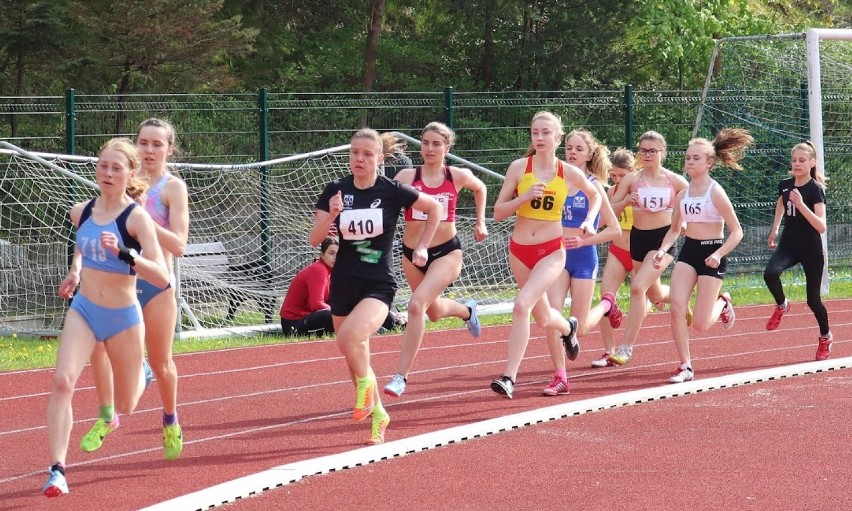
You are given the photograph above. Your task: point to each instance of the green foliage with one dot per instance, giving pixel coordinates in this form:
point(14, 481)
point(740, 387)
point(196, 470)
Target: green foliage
point(674, 38)
point(31, 35)
point(158, 44)
point(295, 46)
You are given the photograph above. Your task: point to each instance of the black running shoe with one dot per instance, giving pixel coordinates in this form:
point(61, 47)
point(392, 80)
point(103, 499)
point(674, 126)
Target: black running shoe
point(572, 345)
point(504, 386)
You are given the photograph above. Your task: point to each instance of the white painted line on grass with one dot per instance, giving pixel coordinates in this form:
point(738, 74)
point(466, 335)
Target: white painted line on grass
point(283, 475)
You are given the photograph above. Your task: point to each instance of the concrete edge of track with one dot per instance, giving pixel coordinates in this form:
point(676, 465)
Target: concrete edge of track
point(283, 475)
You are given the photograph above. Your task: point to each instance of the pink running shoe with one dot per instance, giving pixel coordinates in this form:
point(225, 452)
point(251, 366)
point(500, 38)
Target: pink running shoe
point(557, 387)
point(779, 311)
point(728, 316)
point(824, 347)
point(615, 315)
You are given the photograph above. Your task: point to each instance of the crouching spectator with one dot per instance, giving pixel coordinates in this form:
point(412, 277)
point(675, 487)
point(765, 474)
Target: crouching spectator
point(305, 310)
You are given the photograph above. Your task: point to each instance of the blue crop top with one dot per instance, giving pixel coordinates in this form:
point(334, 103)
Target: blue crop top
point(89, 241)
point(576, 209)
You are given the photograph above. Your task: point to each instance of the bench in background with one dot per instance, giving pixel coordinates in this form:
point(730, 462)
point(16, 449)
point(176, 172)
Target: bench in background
point(208, 270)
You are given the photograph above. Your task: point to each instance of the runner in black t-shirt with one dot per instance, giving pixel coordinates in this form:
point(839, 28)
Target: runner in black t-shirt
point(801, 202)
point(364, 207)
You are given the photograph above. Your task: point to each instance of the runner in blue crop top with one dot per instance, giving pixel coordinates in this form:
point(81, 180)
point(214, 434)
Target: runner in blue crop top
point(104, 310)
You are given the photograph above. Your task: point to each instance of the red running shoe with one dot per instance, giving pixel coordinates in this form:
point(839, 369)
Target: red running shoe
point(615, 315)
point(824, 347)
point(779, 311)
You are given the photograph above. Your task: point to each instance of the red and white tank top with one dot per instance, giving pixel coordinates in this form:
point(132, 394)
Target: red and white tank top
point(445, 193)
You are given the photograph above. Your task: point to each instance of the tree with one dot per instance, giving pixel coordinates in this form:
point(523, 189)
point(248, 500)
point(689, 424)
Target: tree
point(29, 33)
point(377, 15)
point(159, 44)
point(673, 39)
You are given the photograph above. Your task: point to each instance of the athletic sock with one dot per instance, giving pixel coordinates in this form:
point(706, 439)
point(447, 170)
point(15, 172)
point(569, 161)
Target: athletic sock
point(58, 467)
point(107, 413)
point(562, 374)
point(378, 411)
point(169, 419)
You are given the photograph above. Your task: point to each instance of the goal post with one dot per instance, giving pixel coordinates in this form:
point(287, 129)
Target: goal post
point(248, 238)
point(785, 89)
point(813, 37)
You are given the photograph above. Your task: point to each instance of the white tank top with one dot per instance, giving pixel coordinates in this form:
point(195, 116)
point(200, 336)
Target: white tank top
point(700, 209)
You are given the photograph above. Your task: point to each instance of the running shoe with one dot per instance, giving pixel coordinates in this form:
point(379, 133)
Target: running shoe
point(570, 341)
point(622, 355)
point(615, 315)
point(396, 386)
point(473, 324)
point(149, 374)
point(55, 485)
point(377, 430)
point(504, 386)
point(556, 388)
point(682, 374)
point(775, 319)
point(728, 316)
point(364, 399)
point(94, 439)
point(604, 361)
point(172, 442)
point(824, 347)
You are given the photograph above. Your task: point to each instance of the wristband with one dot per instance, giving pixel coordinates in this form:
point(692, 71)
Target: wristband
point(128, 255)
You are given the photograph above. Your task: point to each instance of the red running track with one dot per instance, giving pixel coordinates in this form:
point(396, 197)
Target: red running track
point(773, 445)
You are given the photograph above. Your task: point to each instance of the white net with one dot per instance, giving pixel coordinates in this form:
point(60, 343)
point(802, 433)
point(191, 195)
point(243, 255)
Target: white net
point(248, 239)
point(761, 83)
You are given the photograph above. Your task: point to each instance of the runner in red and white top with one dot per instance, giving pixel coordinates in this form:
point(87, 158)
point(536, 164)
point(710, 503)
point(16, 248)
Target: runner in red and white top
point(443, 265)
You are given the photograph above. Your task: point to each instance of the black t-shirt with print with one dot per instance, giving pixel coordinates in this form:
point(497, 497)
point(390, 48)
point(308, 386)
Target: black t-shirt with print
point(798, 232)
point(367, 225)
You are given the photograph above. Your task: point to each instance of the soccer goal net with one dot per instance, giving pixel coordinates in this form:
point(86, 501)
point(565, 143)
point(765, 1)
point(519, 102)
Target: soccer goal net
point(785, 89)
point(248, 238)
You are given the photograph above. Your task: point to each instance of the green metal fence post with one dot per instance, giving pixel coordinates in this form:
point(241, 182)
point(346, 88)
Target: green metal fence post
point(70, 148)
point(628, 116)
point(449, 108)
point(263, 133)
point(70, 122)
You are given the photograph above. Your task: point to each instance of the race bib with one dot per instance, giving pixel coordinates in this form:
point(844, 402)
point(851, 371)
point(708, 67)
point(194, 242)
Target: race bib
point(654, 198)
point(416, 214)
point(692, 207)
point(361, 224)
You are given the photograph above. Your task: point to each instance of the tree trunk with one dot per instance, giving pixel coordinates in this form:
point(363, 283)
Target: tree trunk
point(123, 90)
point(19, 88)
point(376, 18)
point(488, 45)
